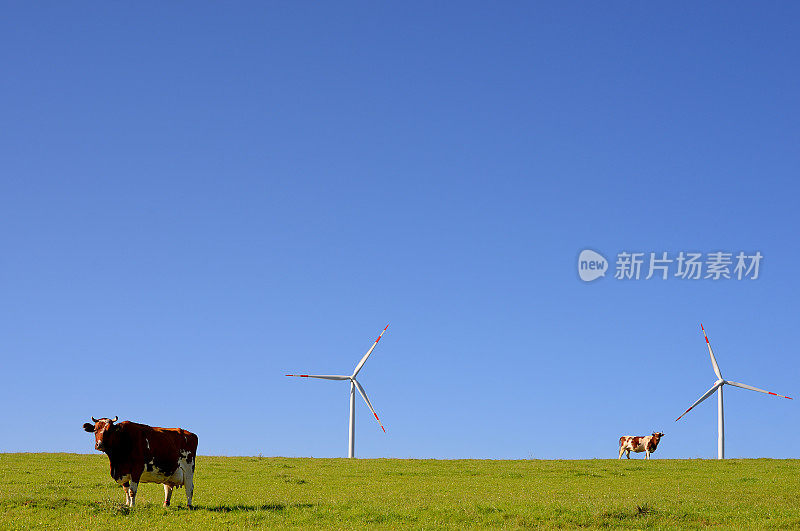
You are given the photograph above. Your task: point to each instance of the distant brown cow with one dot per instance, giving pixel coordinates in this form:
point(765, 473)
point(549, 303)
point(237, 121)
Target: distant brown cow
point(142, 454)
point(648, 444)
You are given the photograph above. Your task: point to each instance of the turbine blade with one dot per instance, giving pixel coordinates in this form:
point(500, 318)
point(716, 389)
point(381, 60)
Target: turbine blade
point(711, 352)
point(706, 395)
point(745, 386)
point(364, 359)
point(364, 396)
point(322, 376)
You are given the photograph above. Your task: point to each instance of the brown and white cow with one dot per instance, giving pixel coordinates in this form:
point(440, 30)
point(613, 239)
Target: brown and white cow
point(143, 454)
point(648, 444)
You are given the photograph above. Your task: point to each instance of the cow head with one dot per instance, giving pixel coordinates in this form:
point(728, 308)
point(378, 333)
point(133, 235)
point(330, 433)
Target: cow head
point(103, 430)
point(653, 443)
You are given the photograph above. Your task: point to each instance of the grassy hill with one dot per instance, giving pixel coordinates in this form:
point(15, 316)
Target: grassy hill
point(73, 491)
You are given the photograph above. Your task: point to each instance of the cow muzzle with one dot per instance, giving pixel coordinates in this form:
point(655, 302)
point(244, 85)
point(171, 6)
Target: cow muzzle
point(99, 446)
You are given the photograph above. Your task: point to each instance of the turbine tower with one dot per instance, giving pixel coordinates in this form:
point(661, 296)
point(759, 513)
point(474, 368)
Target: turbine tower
point(353, 386)
point(718, 388)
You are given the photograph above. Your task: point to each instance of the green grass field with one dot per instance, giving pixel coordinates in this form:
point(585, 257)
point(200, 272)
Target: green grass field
point(76, 491)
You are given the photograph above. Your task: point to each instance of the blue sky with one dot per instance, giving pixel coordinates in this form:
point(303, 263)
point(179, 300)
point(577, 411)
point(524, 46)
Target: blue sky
point(197, 200)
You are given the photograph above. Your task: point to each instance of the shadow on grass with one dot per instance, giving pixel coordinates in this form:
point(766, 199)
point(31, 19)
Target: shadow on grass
point(274, 507)
point(104, 506)
point(114, 508)
point(641, 511)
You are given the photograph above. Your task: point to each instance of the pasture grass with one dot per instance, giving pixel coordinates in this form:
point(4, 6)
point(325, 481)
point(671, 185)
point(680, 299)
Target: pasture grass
point(75, 491)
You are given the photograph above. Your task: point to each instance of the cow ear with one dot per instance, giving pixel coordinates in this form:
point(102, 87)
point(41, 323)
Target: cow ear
point(88, 427)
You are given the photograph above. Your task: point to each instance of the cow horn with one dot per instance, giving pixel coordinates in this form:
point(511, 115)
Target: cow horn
point(115, 418)
point(95, 420)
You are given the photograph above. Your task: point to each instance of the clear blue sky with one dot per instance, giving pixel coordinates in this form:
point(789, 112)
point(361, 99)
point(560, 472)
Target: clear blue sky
point(198, 199)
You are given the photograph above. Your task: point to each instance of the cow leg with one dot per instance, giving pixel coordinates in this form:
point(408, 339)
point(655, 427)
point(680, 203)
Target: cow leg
point(621, 451)
point(167, 494)
point(628, 454)
point(646, 454)
point(134, 487)
point(127, 490)
point(188, 484)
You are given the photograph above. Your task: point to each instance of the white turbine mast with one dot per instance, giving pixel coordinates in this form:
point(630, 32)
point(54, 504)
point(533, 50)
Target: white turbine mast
point(354, 385)
point(718, 388)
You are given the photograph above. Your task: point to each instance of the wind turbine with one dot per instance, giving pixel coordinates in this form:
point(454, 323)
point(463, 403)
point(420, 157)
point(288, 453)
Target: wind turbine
point(718, 388)
point(353, 386)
